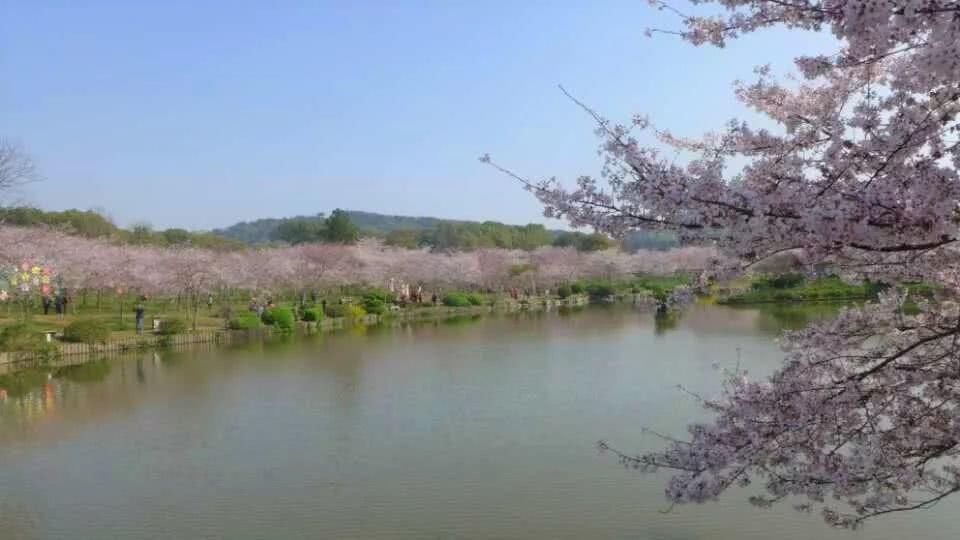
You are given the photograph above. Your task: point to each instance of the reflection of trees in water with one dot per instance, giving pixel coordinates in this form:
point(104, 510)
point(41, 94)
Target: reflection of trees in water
point(93, 371)
point(21, 383)
point(570, 310)
point(665, 320)
point(775, 318)
point(461, 319)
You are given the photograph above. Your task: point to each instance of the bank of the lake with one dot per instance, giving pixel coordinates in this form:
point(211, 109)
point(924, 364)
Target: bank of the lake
point(224, 323)
point(789, 288)
point(17, 367)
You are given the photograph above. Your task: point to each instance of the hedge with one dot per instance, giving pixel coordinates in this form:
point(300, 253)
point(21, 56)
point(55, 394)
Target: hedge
point(86, 331)
point(172, 327)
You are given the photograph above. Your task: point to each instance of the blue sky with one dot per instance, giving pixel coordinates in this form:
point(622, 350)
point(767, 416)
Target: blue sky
point(200, 114)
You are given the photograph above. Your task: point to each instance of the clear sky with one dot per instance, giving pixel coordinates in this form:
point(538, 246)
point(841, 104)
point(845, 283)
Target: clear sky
point(199, 114)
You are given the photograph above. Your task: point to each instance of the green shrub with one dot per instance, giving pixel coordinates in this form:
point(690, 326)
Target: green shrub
point(374, 305)
point(355, 312)
point(782, 281)
point(312, 315)
point(475, 299)
point(577, 288)
point(281, 318)
point(336, 311)
point(456, 300)
point(28, 340)
point(662, 282)
point(89, 331)
point(245, 321)
point(564, 291)
point(172, 327)
point(20, 337)
point(384, 296)
point(600, 290)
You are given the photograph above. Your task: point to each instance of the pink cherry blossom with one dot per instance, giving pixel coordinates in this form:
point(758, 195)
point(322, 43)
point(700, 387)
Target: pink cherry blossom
point(858, 172)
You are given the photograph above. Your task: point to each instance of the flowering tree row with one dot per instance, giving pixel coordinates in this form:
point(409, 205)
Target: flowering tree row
point(97, 264)
point(860, 170)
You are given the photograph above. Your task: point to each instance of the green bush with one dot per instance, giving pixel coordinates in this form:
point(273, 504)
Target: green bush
point(335, 311)
point(475, 299)
point(374, 305)
point(456, 300)
point(384, 296)
point(25, 338)
point(783, 281)
point(577, 288)
point(600, 290)
point(312, 315)
point(89, 331)
point(827, 288)
point(355, 312)
point(172, 327)
point(245, 321)
point(668, 282)
point(564, 291)
point(19, 337)
point(787, 281)
point(281, 318)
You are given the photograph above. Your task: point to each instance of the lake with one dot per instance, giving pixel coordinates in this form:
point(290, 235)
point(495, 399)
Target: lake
point(469, 428)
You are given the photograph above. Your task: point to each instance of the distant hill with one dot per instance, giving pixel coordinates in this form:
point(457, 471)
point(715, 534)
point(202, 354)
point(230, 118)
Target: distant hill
point(382, 225)
point(372, 224)
point(405, 231)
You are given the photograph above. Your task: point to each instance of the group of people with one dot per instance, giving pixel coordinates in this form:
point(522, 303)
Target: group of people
point(517, 294)
point(58, 303)
point(405, 294)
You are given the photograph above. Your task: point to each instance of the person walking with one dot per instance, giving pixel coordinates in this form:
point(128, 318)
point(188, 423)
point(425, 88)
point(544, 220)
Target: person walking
point(46, 305)
point(138, 312)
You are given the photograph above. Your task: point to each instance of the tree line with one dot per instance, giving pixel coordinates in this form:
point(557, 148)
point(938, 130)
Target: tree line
point(339, 227)
point(92, 224)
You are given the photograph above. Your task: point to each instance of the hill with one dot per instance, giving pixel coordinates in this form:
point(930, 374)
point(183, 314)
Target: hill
point(372, 224)
point(401, 231)
point(413, 231)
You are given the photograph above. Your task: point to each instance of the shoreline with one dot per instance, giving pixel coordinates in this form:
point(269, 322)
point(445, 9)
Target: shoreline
point(69, 354)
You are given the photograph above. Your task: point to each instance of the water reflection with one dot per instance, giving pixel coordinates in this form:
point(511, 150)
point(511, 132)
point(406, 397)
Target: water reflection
point(479, 429)
point(775, 318)
point(93, 371)
point(665, 320)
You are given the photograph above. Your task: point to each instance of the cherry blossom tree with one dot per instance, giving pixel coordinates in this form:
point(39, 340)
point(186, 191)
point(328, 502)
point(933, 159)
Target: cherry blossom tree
point(185, 274)
point(861, 171)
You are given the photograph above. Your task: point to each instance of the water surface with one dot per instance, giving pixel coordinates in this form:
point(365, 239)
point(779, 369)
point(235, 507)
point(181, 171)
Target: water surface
point(473, 428)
